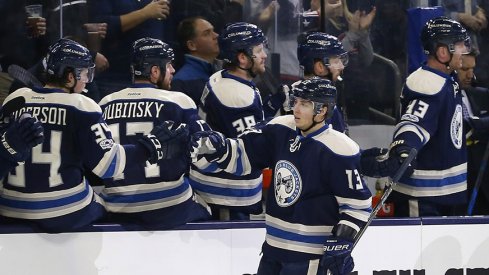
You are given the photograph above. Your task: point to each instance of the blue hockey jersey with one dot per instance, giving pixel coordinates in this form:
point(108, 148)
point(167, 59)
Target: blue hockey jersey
point(50, 187)
point(230, 105)
point(157, 195)
point(316, 184)
point(432, 122)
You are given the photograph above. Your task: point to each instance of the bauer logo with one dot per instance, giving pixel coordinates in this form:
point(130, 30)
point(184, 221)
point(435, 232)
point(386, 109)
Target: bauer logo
point(456, 127)
point(288, 183)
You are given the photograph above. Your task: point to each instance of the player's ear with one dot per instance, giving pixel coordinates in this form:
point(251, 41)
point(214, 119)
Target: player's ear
point(443, 54)
point(320, 68)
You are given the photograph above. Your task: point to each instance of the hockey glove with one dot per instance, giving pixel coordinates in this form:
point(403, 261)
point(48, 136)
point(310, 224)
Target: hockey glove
point(376, 163)
point(274, 102)
point(19, 137)
point(208, 144)
point(337, 256)
point(371, 163)
point(165, 141)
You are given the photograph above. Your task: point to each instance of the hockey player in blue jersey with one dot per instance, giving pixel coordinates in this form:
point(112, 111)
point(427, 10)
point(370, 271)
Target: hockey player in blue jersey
point(17, 137)
point(322, 55)
point(230, 104)
point(431, 122)
point(318, 202)
point(49, 190)
point(154, 195)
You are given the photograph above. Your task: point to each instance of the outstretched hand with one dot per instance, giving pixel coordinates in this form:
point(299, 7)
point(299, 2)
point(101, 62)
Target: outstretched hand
point(208, 144)
point(166, 141)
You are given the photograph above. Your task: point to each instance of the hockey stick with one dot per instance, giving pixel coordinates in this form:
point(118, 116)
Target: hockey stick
point(12, 106)
point(24, 76)
point(387, 191)
point(478, 181)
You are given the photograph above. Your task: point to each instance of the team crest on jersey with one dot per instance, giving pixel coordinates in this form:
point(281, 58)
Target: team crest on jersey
point(288, 183)
point(456, 130)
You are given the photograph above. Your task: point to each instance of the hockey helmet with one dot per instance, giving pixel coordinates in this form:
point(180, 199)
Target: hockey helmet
point(318, 90)
point(66, 53)
point(239, 37)
point(444, 31)
point(148, 52)
point(318, 45)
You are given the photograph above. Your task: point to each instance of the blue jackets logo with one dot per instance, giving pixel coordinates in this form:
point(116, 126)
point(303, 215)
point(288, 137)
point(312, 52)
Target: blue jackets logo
point(456, 130)
point(288, 183)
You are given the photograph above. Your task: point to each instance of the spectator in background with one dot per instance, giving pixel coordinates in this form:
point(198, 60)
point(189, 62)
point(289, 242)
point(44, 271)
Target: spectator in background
point(352, 29)
point(481, 68)
point(199, 41)
point(74, 25)
point(154, 195)
point(476, 127)
point(20, 43)
point(472, 17)
point(217, 12)
point(127, 21)
point(389, 32)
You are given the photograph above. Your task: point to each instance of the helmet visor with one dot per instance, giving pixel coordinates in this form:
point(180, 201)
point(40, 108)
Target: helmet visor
point(338, 61)
point(304, 104)
point(85, 74)
point(460, 47)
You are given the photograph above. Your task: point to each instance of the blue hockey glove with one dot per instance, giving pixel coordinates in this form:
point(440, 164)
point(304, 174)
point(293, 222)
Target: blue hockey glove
point(370, 162)
point(274, 102)
point(166, 141)
point(19, 137)
point(377, 163)
point(337, 256)
point(208, 144)
point(398, 152)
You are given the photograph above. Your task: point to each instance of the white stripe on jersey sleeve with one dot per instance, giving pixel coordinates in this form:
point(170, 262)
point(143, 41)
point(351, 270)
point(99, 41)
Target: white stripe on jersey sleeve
point(112, 163)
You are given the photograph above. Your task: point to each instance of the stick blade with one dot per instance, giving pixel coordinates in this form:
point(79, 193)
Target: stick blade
point(24, 76)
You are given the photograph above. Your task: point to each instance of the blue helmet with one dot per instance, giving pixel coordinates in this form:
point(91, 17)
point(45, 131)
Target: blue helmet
point(239, 37)
point(65, 54)
point(318, 45)
point(148, 52)
point(445, 31)
point(318, 90)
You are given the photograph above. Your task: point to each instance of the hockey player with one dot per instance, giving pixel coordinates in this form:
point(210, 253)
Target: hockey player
point(322, 55)
point(318, 201)
point(431, 122)
point(17, 139)
point(230, 104)
point(49, 190)
point(154, 195)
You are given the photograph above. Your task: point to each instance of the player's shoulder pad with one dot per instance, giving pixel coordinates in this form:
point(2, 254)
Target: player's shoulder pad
point(230, 92)
point(75, 101)
point(286, 120)
point(425, 82)
point(338, 142)
point(181, 99)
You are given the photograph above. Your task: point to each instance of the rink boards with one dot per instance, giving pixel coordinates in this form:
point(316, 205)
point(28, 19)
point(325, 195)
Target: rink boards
point(431, 246)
